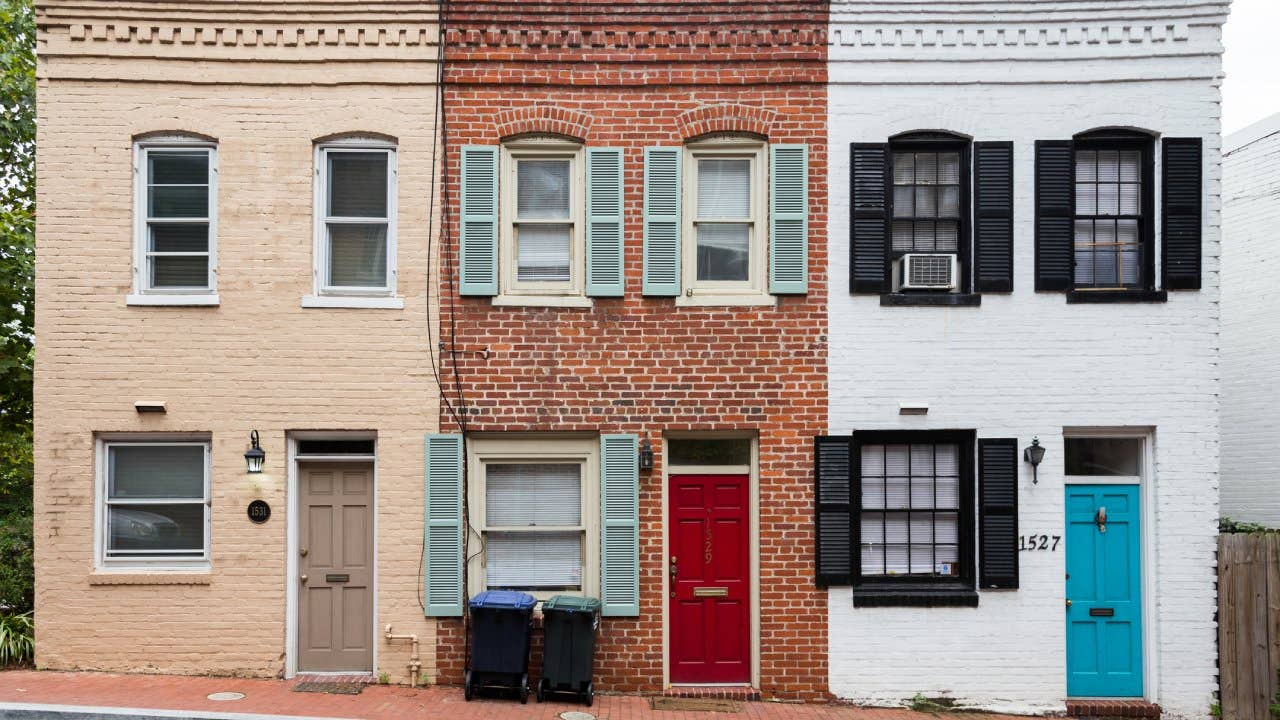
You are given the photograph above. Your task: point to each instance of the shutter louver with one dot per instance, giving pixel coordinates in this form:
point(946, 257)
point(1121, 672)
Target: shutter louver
point(1055, 211)
point(1181, 200)
point(868, 217)
point(661, 221)
point(834, 522)
point(619, 526)
point(998, 513)
point(788, 219)
point(478, 246)
point(993, 216)
point(442, 561)
point(604, 222)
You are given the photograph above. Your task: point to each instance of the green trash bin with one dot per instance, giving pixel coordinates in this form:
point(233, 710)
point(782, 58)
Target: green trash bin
point(569, 627)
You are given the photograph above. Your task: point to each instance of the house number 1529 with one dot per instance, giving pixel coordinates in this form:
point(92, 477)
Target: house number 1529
point(1039, 542)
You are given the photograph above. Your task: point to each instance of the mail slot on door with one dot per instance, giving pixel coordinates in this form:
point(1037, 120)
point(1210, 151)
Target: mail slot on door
point(336, 578)
point(711, 592)
point(1102, 612)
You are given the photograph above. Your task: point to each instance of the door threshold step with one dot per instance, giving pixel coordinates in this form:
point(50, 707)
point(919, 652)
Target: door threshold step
point(1111, 708)
point(744, 693)
point(362, 678)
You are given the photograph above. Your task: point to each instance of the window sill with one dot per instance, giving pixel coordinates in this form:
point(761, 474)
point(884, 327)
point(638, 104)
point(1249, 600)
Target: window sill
point(550, 301)
point(748, 300)
point(353, 301)
point(171, 300)
point(930, 300)
point(915, 596)
point(1116, 296)
point(138, 576)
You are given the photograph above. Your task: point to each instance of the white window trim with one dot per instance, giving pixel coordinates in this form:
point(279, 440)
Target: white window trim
point(582, 450)
point(754, 291)
point(324, 295)
point(142, 293)
point(103, 563)
point(541, 294)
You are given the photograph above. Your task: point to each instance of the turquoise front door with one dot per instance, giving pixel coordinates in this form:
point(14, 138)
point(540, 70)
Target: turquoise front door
point(1104, 591)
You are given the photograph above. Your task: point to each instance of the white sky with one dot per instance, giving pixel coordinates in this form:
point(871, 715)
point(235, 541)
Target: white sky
point(1251, 90)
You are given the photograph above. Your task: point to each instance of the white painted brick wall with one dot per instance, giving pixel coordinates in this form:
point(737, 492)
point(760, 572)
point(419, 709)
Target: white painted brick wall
point(1027, 363)
point(1250, 330)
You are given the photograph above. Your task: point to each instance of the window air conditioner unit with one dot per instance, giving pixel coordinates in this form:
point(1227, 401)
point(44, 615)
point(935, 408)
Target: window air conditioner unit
point(929, 271)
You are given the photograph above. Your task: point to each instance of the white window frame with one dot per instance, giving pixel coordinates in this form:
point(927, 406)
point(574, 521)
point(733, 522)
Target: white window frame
point(143, 293)
point(584, 451)
point(143, 562)
point(511, 290)
point(754, 290)
point(324, 294)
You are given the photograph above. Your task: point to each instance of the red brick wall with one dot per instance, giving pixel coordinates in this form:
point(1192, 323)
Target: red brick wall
point(640, 76)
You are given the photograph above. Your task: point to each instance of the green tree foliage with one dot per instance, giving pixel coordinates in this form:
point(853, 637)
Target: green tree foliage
point(17, 296)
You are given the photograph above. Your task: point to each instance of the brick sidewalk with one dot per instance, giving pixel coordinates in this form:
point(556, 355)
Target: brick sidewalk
point(168, 692)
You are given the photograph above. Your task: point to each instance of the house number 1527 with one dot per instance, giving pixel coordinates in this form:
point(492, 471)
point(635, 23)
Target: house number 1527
point(1039, 542)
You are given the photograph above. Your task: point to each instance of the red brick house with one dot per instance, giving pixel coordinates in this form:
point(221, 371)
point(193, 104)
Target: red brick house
point(632, 274)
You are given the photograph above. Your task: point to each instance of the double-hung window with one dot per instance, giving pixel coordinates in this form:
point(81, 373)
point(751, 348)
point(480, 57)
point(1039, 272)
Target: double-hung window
point(1112, 214)
point(355, 219)
point(154, 504)
point(929, 216)
point(534, 508)
point(176, 221)
point(543, 242)
point(726, 219)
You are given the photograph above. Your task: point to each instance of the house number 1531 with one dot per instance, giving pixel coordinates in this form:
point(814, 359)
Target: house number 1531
point(1039, 542)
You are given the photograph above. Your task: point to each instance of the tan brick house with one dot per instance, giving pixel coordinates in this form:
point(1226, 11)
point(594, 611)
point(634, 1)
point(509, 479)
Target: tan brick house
point(235, 204)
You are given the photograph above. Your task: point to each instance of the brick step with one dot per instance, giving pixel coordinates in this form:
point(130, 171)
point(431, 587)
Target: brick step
point(360, 678)
point(716, 692)
point(1098, 708)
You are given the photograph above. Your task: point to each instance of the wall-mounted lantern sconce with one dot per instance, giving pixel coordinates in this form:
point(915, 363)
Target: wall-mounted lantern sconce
point(1034, 454)
point(646, 455)
point(254, 456)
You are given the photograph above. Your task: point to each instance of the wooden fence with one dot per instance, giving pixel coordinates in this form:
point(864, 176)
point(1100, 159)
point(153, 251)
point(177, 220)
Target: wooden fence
point(1248, 624)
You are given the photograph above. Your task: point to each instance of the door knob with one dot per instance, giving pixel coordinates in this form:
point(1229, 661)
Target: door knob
point(1101, 519)
point(303, 578)
point(674, 571)
point(1068, 602)
point(303, 552)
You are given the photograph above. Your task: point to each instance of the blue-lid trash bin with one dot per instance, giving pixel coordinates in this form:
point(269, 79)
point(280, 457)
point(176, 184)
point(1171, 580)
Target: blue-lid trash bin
point(569, 625)
point(501, 621)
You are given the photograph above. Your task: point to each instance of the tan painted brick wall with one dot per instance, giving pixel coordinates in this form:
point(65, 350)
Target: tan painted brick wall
point(257, 361)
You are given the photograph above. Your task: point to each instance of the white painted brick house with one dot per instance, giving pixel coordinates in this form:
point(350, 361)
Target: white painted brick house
point(1067, 155)
point(1250, 333)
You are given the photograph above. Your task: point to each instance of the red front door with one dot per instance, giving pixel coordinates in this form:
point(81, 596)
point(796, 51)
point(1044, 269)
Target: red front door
point(709, 562)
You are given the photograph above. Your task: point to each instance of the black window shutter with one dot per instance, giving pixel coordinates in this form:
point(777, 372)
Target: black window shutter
point(1055, 208)
point(993, 216)
point(868, 217)
point(832, 522)
point(998, 513)
point(1181, 212)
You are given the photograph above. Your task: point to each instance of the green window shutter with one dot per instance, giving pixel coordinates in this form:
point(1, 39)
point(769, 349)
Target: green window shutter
point(661, 221)
point(443, 526)
point(619, 526)
point(604, 222)
point(788, 219)
point(479, 243)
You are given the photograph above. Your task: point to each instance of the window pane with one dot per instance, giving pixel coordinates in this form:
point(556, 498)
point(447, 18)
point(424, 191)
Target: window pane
point(1086, 199)
point(1084, 267)
point(1104, 456)
point(949, 201)
point(179, 237)
point(335, 447)
point(178, 201)
point(533, 495)
point(1108, 199)
point(904, 202)
point(1086, 166)
point(724, 188)
point(948, 236)
point(710, 451)
point(168, 271)
point(542, 189)
point(925, 233)
point(357, 255)
point(947, 492)
point(358, 184)
point(1129, 269)
point(947, 459)
point(926, 201)
point(949, 169)
point(155, 471)
point(904, 168)
point(926, 168)
point(175, 530)
point(1130, 166)
point(724, 251)
point(1129, 203)
point(533, 561)
point(543, 253)
point(904, 235)
point(178, 167)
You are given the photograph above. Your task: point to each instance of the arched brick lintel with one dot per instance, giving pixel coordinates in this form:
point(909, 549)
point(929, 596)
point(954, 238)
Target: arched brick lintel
point(726, 118)
point(543, 120)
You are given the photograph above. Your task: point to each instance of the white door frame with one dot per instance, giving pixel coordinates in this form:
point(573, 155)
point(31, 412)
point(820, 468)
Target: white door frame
point(291, 544)
point(753, 493)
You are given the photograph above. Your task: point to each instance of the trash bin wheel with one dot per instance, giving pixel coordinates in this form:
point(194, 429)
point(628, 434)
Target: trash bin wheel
point(524, 689)
point(466, 687)
point(542, 690)
point(590, 694)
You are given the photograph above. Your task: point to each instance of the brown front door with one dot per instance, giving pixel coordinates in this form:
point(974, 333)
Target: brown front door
point(335, 619)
